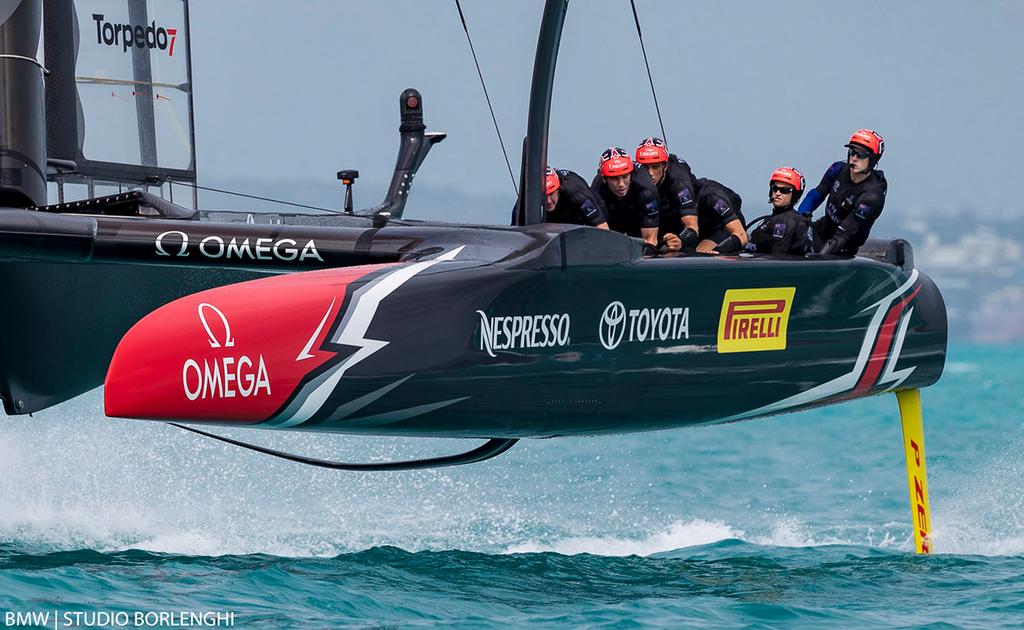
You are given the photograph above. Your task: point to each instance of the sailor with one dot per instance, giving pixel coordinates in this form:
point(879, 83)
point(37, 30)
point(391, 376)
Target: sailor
point(785, 231)
point(570, 200)
point(677, 191)
point(629, 196)
point(719, 220)
point(855, 190)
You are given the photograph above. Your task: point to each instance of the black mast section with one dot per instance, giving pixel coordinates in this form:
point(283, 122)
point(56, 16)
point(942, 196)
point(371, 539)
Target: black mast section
point(22, 127)
point(535, 145)
point(145, 93)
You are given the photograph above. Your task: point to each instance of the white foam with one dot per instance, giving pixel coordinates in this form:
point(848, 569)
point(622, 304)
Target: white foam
point(679, 535)
point(791, 532)
point(72, 480)
point(985, 512)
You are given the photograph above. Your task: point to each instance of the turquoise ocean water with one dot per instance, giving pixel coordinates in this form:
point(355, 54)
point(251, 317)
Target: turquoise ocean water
point(795, 521)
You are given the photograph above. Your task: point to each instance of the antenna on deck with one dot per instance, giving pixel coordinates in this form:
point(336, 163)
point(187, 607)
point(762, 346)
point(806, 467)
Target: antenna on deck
point(348, 178)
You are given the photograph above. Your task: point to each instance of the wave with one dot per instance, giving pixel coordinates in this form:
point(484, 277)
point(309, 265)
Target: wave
point(70, 480)
point(679, 535)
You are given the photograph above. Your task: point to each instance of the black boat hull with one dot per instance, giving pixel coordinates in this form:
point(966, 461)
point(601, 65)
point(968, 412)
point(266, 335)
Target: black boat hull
point(61, 322)
point(75, 284)
point(568, 338)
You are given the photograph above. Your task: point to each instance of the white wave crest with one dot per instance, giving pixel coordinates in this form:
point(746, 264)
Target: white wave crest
point(679, 535)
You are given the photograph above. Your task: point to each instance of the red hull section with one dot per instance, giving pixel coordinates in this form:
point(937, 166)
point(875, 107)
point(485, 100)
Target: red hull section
point(237, 352)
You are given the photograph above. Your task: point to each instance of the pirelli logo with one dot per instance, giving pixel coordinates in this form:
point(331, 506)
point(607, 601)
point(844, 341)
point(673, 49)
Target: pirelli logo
point(754, 319)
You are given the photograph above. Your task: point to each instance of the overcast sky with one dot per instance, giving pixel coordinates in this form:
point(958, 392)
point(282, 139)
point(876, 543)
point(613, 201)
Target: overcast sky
point(296, 92)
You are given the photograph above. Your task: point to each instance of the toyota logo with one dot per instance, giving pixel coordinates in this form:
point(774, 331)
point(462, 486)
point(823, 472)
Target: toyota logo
point(612, 326)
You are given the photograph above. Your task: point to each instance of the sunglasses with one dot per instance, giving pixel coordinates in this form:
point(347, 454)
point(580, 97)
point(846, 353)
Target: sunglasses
point(785, 190)
point(860, 153)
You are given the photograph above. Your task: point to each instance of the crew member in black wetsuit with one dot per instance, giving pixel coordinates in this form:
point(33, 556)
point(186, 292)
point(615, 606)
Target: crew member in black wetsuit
point(785, 232)
point(856, 195)
point(629, 196)
point(677, 190)
point(570, 200)
point(719, 220)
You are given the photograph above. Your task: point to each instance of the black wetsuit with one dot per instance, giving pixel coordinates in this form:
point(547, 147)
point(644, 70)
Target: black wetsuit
point(638, 209)
point(678, 195)
point(717, 205)
point(577, 203)
point(783, 233)
point(850, 211)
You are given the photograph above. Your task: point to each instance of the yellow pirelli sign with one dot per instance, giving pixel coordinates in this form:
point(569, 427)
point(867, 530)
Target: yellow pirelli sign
point(754, 319)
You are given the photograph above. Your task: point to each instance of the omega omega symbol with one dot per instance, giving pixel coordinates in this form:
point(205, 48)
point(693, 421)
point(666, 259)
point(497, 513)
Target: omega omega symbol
point(613, 325)
point(183, 247)
point(229, 341)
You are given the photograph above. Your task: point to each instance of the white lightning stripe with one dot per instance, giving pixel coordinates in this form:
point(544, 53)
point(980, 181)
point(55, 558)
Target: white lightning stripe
point(309, 344)
point(356, 404)
point(890, 374)
point(352, 332)
point(846, 381)
point(398, 415)
point(892, 296)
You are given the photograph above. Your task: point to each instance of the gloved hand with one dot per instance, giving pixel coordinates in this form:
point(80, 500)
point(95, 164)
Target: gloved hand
point(670, 243)
point(729, 245)
point(831, 247)
point(688, 237)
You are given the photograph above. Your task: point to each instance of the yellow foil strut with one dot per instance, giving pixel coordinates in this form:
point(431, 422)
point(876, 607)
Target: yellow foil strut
point(917, 473)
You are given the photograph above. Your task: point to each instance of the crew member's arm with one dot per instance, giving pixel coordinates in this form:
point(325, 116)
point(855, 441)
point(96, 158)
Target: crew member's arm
point(737, 238)
point(595, 195)
point(592, 207)
point(594, 213)
point(820, 192)
point(737, 235)
point(650, 235)
point(685, 201)
point(651, 213)
point(686, 238)
point(761, 237)
point(868, 206)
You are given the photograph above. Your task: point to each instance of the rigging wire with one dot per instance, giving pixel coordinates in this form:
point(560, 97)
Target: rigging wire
point(281, 201)
point(479, 73)
point(640, 34)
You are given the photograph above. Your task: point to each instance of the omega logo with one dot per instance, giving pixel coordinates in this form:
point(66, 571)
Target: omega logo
point(229, 341)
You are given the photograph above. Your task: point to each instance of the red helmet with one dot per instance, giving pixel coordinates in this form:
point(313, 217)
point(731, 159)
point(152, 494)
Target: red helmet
point(551, 181)
point(791, 176)
point(615, 162)
point(651, 151)
point(870, 140)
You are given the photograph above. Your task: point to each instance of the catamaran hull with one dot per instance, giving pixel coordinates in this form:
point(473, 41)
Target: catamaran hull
point(61, 322)
point(75, 284)
point(448, 348)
